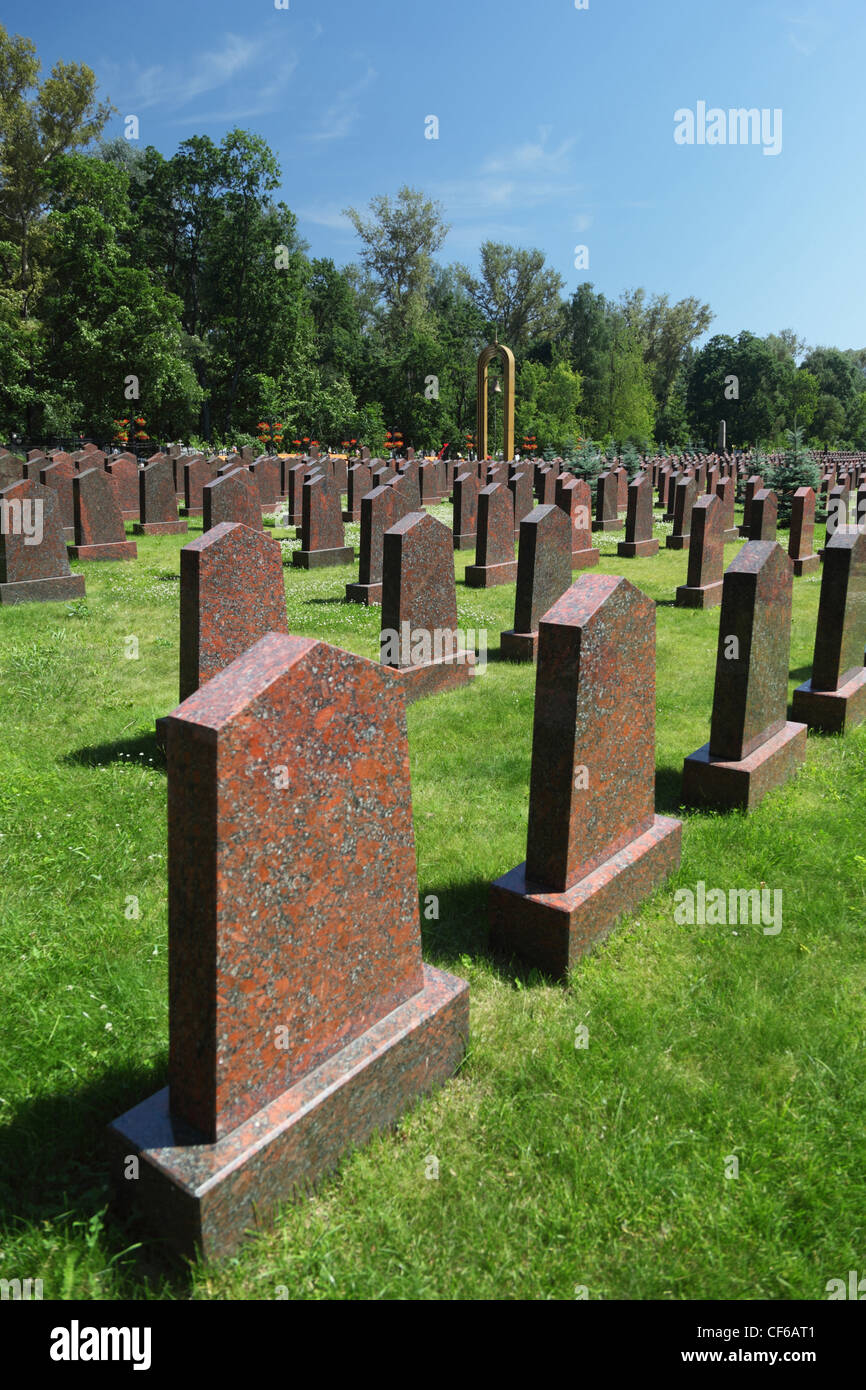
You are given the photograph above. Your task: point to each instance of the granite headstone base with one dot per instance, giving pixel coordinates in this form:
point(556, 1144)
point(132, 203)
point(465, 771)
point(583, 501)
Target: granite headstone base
point(584, 559)
point(628, 550)
point(160, 528)
point(741, 785)
point(205, 1197)
point(519, 646)
point(610, 523)
point(487, 576)
point(55, 590)
point(434, 677)
point(320, 559)
point(465, 540)
point(368, 594)
point(807, 564)
point(832, 711)
point(552, 930)
point(678, 542)
point(731, 534)
point(114, 550)
point(699, 596)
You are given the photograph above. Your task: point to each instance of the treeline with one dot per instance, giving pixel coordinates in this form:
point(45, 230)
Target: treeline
point(178, 292)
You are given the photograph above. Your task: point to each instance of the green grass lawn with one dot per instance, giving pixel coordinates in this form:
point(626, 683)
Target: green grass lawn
point(559, 1167)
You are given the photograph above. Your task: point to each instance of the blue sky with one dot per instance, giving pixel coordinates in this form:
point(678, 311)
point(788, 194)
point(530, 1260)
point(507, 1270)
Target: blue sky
point(556, 128)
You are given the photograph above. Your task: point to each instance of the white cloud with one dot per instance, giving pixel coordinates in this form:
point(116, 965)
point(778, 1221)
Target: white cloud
point(337, 120)
point(234, 70)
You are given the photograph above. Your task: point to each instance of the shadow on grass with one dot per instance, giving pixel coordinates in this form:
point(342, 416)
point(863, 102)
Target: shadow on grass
point(669, 791)
point(463, 930)
point(54, 1168)
point(140, 746)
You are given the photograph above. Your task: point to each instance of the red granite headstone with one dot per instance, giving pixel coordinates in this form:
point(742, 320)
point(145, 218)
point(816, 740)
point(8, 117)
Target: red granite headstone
point(359, 482)
point(703, 586)
point(520, 487)
point(753, 485)
point(802, 533)
point(380, 509)
point(595, 847)
point(232, 497)
point(34, 565)
point(266, 472)
point(543, 575)
point(684, 501)
point(406, 487)
point(574, 497)
point(419, 636)
point(639, 538)
point(834, 698)
point(465, 511)
point(494, 548)
point(231, 594)
point(58, 475)
point(752, 748)
point(321, 528)
point(196, 476)
point(157, 502)
point(606, 503)
point(726, 493)
point(99, 529)
point(301, 1017)
point(763, 515)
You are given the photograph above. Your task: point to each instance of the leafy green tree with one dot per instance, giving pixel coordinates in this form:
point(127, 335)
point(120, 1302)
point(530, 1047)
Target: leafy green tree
point(517, 295)
point(106, 320)
point(398, 242)
point(547, 404)
point(741, 381)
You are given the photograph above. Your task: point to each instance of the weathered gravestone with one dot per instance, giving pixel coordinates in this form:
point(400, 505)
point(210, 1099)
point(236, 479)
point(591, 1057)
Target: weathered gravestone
point(639, 538)
point(419, 635)
point(359, 482)
point(322, 529)
point(595, 847)
point(543, 575)
point(34, 565)
point(606, 502)
point(301, 1017)
point(465, 511)
point(99, 530)
point(380, 509)
point(703, 586)
point(573, 496)
point(231, 594)
point(684, 501)
point(752, 746)
point(157, 503)
point(494, 548)
point(802, 533)
point(763, 515)
point(232, 497)
point(834, 698)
